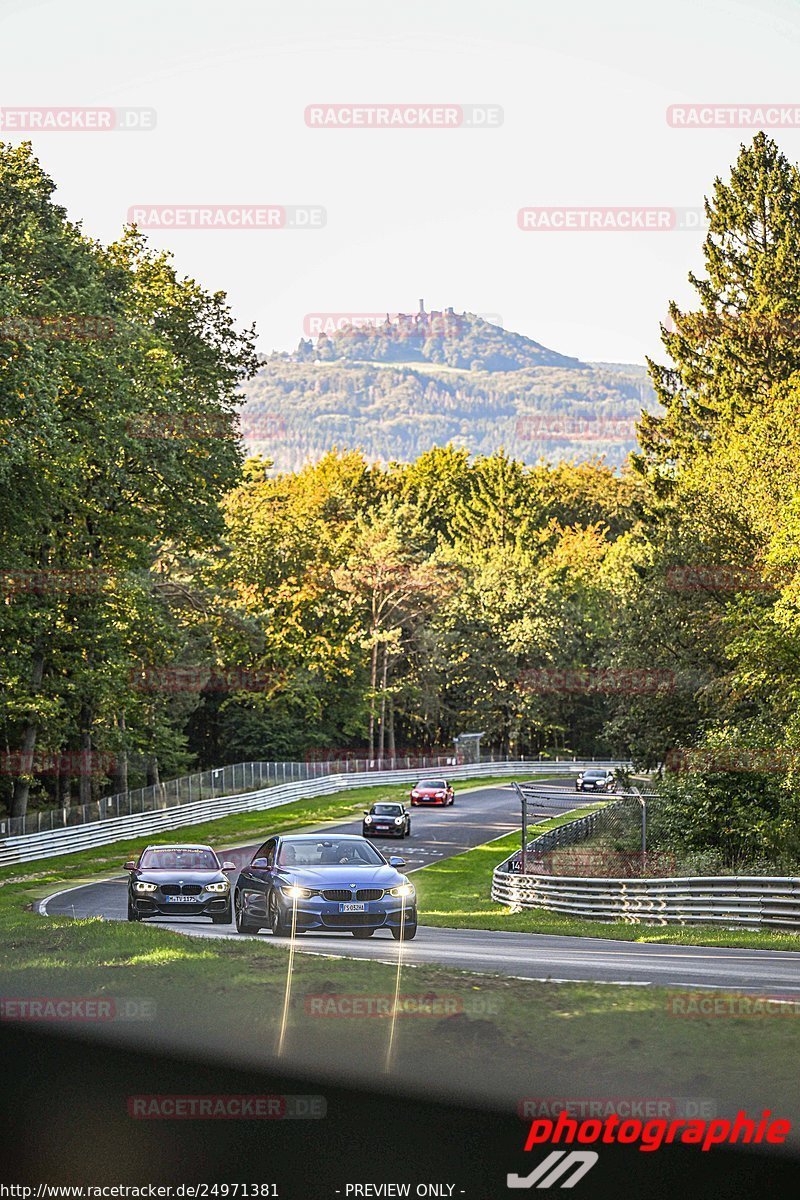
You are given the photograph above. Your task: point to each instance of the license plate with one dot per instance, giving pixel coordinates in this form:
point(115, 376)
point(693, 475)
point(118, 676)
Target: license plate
point(343, 908)
point(182, 899)
point(382, 828)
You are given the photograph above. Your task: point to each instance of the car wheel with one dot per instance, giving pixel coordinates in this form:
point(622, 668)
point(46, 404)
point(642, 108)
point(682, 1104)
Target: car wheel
point(223, 918)
point(408, 831)
point(362, 933)
point(133, 915)
point(409, 932)
point(276, 922)
point(244, 924)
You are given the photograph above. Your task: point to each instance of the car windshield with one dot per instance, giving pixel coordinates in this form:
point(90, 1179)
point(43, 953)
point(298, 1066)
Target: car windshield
point(328, 852)
point(595, 775)
point(437, 784)
point(386, 810)
point(177, 859)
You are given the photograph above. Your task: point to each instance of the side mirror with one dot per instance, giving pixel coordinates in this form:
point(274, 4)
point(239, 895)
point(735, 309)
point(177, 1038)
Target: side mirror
point(396, 862)
point(129, 866)
point(260, 864)
point(229, 866)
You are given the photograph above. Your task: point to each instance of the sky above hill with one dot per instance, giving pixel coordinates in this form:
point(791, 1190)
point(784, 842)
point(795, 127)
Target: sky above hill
point(410, 212)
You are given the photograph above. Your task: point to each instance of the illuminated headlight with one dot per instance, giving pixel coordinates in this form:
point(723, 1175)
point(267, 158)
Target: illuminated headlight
point(297, 893)
point(415, 794)
point(367, 820)
point(398, 820)
point(218, 887)
point(142, 886)
point(405, 889)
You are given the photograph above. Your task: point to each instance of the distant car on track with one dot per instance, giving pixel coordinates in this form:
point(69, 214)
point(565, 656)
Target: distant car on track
point(387, 819)
point(179, 880)
point(432, 791)
point(337, 883)
point(596, 780)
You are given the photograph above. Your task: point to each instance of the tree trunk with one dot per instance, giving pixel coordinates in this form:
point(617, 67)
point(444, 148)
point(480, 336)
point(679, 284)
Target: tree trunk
point(151, 771)
point(392, 747)
point(373, 680)
point(85, 759)
point(22, 787)
point(382, 741)
point(120, 778)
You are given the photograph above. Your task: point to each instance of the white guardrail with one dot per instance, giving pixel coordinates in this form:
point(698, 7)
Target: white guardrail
point(30, 847)
point(730, 900)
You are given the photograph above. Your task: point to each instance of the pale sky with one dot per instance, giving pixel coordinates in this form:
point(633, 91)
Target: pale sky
point(584, 88)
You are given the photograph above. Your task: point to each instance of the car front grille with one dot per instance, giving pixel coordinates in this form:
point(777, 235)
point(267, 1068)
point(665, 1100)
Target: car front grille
point(338, 894)
point(369, 893)
point(352, 920)
point(175, 889)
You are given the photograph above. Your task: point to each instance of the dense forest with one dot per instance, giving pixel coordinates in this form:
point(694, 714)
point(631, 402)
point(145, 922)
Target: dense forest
point(436, 379)
point(170, 602)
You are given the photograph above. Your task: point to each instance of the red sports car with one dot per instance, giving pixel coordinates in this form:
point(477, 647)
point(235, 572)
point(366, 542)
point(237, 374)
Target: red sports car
point(432, 791)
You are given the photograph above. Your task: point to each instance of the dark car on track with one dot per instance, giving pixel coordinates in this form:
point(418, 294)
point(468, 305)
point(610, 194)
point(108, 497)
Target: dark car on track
point(599, 780)
point(338, 883)
point(387, 820)
point(432, 791)
point(179, 880)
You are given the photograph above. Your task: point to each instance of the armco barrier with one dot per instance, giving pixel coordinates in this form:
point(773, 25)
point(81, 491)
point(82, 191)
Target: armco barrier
point(730, 900)
point(31, 847)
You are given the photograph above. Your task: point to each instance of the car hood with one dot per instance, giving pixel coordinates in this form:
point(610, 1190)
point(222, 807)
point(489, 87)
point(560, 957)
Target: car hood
point(178, 876)
point(342, 876)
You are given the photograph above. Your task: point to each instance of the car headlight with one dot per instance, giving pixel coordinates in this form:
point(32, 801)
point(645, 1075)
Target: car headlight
point(297, 893)
point(405, 889)
point(142, 886)
point(398, 820)
point(367, 820)
point(222, 886)
point(415, 795)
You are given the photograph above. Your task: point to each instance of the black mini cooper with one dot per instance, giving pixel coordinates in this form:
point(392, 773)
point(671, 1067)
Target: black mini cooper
point(179, 881)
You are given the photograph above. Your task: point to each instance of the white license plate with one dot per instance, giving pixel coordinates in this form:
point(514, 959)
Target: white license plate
point(382, 828)
point(351, 908)
point(182, 899)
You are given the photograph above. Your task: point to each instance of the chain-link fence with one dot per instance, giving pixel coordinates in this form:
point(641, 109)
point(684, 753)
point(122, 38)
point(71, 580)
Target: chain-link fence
point(231, 780)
